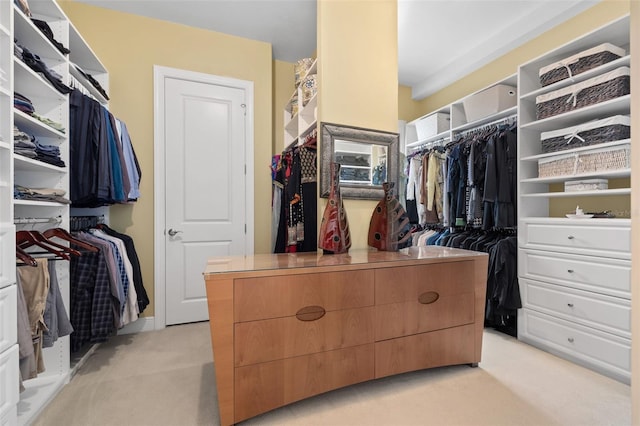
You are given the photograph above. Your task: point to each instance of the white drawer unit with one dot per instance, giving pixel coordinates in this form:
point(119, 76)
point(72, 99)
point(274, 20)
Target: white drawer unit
point(605, 240)
point(609, 314)
point(8, 315)
point(603, 352)
point(9, 385)
point(604, 276)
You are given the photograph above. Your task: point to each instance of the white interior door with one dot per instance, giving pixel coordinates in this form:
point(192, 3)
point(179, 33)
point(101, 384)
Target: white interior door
point(205, 184)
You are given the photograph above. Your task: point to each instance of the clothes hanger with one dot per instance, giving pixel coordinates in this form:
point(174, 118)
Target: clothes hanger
point(24, 257)
point(26, 239)
point(64, 235)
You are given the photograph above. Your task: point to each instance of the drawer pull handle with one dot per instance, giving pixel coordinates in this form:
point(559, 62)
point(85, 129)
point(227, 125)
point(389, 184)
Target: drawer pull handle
point(428, 297)
point(570, 339)
point(310, 313)
point(570, 271)
point(571, 237)
point(570, 305)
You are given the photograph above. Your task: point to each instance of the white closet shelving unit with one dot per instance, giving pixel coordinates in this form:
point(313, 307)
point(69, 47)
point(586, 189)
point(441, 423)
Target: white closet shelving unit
point(15, 214)
point(8, 336)
point(458, 122)
point(297, 125)
point(574, 274)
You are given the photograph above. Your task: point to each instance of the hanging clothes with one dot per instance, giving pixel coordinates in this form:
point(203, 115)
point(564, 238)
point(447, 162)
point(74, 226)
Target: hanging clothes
point(294, 198)
point(104, 169)
point(107, 291)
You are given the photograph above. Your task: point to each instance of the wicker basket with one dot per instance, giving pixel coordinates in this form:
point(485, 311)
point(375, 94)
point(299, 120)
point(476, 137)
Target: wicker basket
point(594, 132)
point(579, 63)
point(591, 161)
point(593, 91)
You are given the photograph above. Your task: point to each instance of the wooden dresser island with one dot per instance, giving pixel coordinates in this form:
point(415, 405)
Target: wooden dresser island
point(285, 327)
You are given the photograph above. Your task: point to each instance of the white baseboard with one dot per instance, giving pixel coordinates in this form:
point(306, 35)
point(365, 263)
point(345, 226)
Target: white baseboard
point(139, 325)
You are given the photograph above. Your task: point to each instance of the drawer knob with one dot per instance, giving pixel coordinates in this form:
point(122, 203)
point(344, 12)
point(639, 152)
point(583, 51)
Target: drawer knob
point(570, 305)
point(570, 339)
point(310, 313)
point(570, 271)
point(571, 237)
point(428, 297)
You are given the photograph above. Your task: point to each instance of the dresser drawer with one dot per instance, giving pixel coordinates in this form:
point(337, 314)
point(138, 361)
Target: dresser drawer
point(405, 318)
point(282, 296)
point(607, 241)
point(263, 387)
point(272, 339)
point(8, 317)
point(604, 352)
point(426, 350)
point(9, 393)
point(605, 276)
point(610, 314)
point(394, 285)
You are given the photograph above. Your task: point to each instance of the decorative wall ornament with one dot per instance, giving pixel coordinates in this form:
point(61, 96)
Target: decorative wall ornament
point(389, 229)
point(334, 230)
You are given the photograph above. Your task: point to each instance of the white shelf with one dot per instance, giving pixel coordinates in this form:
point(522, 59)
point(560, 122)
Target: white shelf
point(25, 164)
point(619, 105)
point(37, 394)
point(614, 221)
point(625, 61)
point(597, 193)
point(38, 203)
point(487, 120)
point(612, 175)
point(87, 85)
point(5, 145)
point(28, 124)
point(4, 30)
point(29, 36)
point(301, 124)
point(33, 86)
point(5, 91)
point(82, 54)
point(435, 138)
point(575, 150)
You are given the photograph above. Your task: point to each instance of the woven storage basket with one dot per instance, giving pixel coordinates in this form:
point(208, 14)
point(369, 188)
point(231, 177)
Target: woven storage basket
point(590, 161)
point(602, 88)
point(579, 63)
point(594, 132)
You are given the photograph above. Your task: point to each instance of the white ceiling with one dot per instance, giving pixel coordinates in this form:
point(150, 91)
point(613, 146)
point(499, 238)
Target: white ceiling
point(439, 41)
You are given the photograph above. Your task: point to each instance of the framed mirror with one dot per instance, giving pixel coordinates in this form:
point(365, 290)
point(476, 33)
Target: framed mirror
point(368, 158)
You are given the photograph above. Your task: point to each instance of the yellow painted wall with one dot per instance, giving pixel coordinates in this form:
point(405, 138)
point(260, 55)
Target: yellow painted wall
point(130, 46)
point(358, 79)
point(408, 109)
point(283, 88)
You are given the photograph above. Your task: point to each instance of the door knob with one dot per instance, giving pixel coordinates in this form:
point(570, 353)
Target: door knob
point(173, 232)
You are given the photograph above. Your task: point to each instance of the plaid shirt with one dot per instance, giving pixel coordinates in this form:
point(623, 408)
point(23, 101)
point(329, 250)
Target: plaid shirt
point(91, 301)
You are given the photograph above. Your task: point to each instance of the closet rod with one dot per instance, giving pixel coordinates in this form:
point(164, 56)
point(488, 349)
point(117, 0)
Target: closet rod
point(503, 120)
point(437, 142)
point(27, 220)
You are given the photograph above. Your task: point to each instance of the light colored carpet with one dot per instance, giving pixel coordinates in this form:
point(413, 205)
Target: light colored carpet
point(167, 378)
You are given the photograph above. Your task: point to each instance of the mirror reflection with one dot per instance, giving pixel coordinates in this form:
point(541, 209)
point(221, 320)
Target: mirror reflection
point(368, 158)
point(361, 163)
